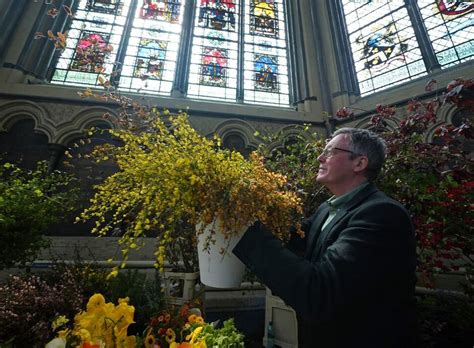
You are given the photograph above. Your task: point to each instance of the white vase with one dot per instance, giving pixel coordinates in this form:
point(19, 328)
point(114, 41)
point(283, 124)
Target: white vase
point(219, 269)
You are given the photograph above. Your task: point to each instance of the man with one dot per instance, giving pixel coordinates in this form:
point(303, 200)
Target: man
point(354, 287)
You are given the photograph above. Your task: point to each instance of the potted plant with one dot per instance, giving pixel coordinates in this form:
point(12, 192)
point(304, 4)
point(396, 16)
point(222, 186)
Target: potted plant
point(185, 327)
point(167, 173)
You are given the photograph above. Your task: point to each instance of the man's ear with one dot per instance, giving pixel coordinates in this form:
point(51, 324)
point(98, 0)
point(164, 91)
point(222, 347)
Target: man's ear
point(360, 164)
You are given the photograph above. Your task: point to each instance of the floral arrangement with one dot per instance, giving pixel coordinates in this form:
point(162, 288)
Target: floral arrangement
point(169, 173)
point(187, 328)
point(105, 325)
point(101, 325)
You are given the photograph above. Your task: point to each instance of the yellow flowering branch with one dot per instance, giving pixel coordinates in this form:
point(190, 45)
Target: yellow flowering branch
point(168, 174)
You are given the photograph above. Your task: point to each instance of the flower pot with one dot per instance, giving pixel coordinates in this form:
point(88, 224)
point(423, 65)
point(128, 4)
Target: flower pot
point(179, 287)
point(218, 266)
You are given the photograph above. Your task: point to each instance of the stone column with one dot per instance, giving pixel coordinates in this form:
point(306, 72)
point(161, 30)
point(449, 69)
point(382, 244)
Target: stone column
point(10, 14)
point(37, 54)
point(56, 151)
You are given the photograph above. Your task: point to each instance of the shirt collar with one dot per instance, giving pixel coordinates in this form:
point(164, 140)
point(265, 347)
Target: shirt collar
point(340, 202)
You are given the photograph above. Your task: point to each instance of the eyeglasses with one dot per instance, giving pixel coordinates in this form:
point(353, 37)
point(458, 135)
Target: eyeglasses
point(329, 152)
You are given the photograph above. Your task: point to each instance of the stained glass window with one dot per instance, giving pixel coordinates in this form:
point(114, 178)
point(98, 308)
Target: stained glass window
point(214, 66)
point(91, 52)
point(106, 6)
point(152, 51)
point(217, 14)
point(92, 42)
point(214, 58)
point(264, 18)
point(217, 56)
point(166, 10)
point(265, 54)
point(238, 52)
point(383, 44)
point(450, 26)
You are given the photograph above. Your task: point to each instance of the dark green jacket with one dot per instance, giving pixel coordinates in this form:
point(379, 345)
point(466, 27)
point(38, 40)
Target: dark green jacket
point(354, 285)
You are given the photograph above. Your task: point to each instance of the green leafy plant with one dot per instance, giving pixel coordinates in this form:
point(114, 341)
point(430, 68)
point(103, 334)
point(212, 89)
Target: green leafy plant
point(30, 202)
point(297, 158)
point(226, 336)
point(186, 328)
point(445, 321)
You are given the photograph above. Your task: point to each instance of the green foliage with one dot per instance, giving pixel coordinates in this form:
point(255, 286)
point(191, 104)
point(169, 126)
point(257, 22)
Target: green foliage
point(297, 159)
point(145, 294)
point(144, 291)
point(225, 337)
point(445, 321)
point(30, 201)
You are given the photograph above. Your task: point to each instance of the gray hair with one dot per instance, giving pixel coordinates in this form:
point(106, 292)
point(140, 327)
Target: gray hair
point(367, 143)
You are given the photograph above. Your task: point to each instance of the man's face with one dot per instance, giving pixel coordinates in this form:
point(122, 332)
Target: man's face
point(336, 168)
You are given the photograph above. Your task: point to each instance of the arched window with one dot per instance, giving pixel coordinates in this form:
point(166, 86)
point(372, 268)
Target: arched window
point(394, 41)
point(450, 27)
point(383, 44)
point(227, 50)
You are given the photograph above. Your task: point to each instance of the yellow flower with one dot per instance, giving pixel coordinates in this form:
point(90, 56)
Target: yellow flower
point(170, 336)
point(112, 274)
point(59, 321)
point(192, 337)
point(171, 174)
point(126, 342)
point(200, 344)
point(96, 301)
point(84, 334)
point(64, 333)
point(150, 341)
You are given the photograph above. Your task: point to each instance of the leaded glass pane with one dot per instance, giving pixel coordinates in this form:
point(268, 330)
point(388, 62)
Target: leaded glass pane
point(450, 27)
point(166, 10)
point(152, 50)
point(264, 18)
point(266, 72)
point(214, 66)
point(92, 42)
point(106, 6)
point(214, 55)
point(217, 14)
point(265, 54)
point(225, 55)
point(383, 44)
point(91, 52)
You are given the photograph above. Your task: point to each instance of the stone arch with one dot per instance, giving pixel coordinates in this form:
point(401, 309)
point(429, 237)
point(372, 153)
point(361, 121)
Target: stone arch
point(364, 123)
point(287, 132)
point(235, 127)
point(444, 116)
point(14, 111)
point(82, 120)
